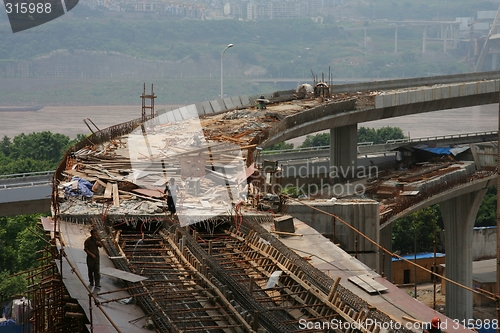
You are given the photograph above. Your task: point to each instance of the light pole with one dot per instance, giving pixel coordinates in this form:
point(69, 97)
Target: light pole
point(222, 71)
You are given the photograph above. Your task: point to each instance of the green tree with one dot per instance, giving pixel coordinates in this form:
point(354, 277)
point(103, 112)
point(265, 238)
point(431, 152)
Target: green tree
point(29, 241)
point(408, 57)
point(39, 146)
point(389, 133)
point(18, 244)
point(366, 134)
point(487, 213)
point(11, 285)
point(317, 140)
point(5, 145)
point(20, 241)
point(380, 135)
point(33, 152)
point(13, 166)
point(280, 146)
point(420, 224)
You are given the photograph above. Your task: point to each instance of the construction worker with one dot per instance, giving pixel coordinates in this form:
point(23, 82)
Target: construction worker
point(91, 247)
point(171, 192)
point(261, 102)
point(433, 327)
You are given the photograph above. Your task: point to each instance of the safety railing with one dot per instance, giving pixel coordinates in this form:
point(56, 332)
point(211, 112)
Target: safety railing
point(25, 184)
point(404, 140)
point(28, 174)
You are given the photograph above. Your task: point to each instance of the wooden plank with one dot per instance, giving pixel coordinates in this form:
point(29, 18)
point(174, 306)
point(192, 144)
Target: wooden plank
point(228, 138)
point(149, 193)
point(109, 191)
point(409, 193)
point(362, 284)
point(273, 279)
point(98, 187)
point(75, 173)
point(285, 233)
point(367, 283)
point(160, 182)
point(117, 273)
point(205, 204)
point(374, 284)
point(116, 196)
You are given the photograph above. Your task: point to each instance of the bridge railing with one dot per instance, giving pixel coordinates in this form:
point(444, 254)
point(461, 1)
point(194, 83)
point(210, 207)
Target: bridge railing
point(270, 152)
point(25, 184)
point(28, 174)
point(294, 150)
point(404, 140)
point(453, 136)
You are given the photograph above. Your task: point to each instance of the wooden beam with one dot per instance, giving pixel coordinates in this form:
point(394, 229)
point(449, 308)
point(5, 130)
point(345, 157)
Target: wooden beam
point(116, 196)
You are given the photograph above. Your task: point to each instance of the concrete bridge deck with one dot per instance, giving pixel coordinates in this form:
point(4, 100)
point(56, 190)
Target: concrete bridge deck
point(224, 120)
point(371, 148)
point(28, 193)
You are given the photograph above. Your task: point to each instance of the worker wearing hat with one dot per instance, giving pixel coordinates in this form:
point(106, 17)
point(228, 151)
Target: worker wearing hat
point(91, 247)
point(171, 192)
point(434, 326)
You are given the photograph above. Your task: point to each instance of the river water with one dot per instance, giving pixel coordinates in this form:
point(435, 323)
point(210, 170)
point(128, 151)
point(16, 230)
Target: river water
point(68, 120)
point(462, 120)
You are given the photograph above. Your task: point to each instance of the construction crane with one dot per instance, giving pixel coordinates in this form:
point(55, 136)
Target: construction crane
point(486, 45)
point(472, 40)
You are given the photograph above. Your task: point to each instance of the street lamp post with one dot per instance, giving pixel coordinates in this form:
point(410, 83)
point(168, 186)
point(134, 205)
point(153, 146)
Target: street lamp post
point(222, 71)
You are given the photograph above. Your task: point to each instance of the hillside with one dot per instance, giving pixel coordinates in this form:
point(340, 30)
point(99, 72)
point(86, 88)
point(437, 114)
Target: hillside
point(100, 57)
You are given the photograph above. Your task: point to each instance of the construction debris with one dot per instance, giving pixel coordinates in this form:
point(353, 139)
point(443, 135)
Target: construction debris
point(207, 266)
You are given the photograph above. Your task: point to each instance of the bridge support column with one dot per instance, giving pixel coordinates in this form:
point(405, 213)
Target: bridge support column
point(459, 214)
point(385, 260)
point(344, 151)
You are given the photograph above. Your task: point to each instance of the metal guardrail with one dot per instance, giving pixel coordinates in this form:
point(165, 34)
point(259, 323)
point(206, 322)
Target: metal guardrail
point(17, 185)
point(294, 150)
point(264, 152)
point(405, 140)
point(27, 174)
point(453, 136)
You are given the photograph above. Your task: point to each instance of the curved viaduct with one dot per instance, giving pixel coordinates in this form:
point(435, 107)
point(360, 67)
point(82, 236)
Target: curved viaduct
point(390, 99)
point(396, 98)
point(459, 206)
point(363, 102)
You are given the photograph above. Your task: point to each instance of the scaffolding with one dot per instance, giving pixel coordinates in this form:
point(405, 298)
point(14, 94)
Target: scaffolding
point(52, 309)
point(151, 105)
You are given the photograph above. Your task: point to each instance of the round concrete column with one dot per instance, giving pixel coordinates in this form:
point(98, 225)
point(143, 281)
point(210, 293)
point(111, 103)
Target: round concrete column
point(459, 214)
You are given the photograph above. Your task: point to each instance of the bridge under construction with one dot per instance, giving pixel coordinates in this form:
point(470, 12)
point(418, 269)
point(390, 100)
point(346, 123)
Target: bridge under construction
point(220, 263)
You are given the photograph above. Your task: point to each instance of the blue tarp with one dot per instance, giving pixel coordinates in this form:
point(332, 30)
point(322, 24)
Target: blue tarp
point(16, 329)
point(422, 255)
point(486, 330)
point(8, 322)
point(84, 188)
point(443, 150)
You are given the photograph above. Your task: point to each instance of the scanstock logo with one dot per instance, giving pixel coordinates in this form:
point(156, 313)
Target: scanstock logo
point(26, 14)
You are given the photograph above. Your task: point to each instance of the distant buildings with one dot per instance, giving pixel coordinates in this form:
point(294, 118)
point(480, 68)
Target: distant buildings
point(243, 10)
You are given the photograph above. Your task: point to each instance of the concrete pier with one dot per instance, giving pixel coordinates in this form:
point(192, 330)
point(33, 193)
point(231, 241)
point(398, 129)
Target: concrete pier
point(459, 214)
point(344, 150)
point(361, 214)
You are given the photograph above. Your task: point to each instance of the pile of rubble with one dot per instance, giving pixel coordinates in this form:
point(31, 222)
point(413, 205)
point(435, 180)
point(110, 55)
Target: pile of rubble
point(128, 176)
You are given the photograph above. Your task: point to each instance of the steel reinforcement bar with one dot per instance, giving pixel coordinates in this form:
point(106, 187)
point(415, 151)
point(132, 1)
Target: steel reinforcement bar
point(176, 286)
point(244, 261)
